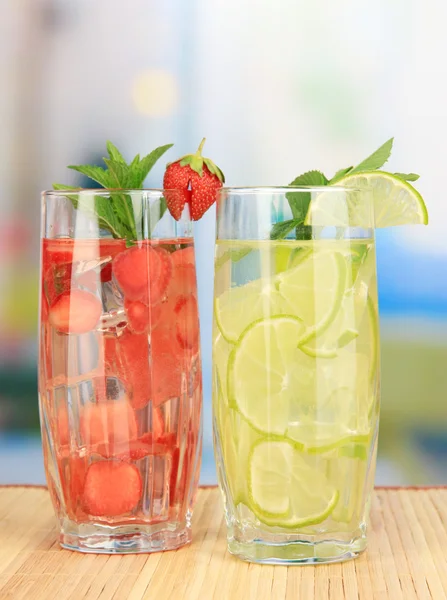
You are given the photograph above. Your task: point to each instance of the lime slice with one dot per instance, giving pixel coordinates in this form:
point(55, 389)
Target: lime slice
point(221, 353)
point(265, 371)
point(396, 202)
point(314, 290)
point(337, 408)
point(368, 342)
point(241, 439)
point(345, 328)
point(348, 474)
point(238, 307)
point(287, 488)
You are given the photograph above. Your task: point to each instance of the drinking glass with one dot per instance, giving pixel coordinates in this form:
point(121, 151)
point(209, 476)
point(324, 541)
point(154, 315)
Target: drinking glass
point(295, 371)
point(120, 390)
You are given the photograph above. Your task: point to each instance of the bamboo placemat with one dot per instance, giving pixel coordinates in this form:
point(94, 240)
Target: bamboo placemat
point(406, 559)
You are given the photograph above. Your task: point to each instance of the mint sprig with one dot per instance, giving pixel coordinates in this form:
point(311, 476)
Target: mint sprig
point(115, 213)
point(299, 201)
point(375, 161)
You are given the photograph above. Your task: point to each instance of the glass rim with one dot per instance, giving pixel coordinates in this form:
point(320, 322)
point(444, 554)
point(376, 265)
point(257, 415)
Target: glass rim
point(284, 189)
point(107, 192)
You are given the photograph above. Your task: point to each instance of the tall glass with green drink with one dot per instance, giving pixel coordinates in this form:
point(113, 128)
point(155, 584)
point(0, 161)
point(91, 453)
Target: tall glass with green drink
point(296, 371)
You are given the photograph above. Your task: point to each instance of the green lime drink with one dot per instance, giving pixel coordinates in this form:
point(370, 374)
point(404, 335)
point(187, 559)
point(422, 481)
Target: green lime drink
point(296, 362)
point(295, 394)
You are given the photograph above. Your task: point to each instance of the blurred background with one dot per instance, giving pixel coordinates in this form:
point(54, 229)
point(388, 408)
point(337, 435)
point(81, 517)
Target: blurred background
point(277, 88)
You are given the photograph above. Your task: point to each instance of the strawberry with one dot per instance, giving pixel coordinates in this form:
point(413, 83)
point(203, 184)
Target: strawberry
point(187, 322)
point(111, 423)
point(192, 179)
point(111, 488)
point(127, 358)
point(183, 281)
point(141, 318)
point(184, 256)
point(63, 430)
point(75, 311)
point(72, 468)
point(143, 273)
point(137, 448)
point(166, 367)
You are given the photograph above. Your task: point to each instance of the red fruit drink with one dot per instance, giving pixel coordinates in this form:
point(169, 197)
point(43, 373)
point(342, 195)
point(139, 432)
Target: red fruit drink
point(120, 387)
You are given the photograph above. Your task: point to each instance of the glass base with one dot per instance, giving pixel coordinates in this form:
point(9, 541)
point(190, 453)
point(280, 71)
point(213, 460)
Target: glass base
point(296, 552)
point(124, 539)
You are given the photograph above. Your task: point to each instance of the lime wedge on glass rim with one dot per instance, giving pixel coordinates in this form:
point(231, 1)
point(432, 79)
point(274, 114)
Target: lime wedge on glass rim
point(396, 202)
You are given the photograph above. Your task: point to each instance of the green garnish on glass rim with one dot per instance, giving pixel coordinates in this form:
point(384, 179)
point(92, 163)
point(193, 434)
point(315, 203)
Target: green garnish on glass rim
point(385, 186)
point(115, 213)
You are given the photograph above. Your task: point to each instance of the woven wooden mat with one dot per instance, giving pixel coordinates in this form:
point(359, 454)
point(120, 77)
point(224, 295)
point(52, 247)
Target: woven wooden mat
point(406, 559)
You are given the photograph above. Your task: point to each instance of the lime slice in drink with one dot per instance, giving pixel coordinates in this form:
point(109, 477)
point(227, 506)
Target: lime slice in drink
point(343, 329)
point(221, 353)
point(286, 487)
point(369, 336)
point(349, 475)
point(240, 438)
point(336, 409)
point(265, 370)
point(237, 307)
point(396, 202)
point(313, 290)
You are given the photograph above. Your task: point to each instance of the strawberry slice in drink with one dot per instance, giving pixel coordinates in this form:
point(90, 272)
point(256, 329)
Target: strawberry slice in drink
point(65, 263)
point(75, 312)
point(111, 488)
point(183, 256)
point(167, 366)
point(143, 273)
point(109, 424)
point(72, 470)
point(63, 430)
point(141, 317)
point(127, 358)
point(148, 444)
point(183, 281)
point(187, 322)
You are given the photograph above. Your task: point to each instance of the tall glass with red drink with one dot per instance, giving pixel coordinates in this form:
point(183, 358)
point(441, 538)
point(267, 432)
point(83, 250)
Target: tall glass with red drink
point(119, 369)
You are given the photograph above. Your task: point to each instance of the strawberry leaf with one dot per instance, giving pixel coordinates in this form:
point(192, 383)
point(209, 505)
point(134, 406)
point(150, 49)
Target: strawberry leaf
point(214, 169)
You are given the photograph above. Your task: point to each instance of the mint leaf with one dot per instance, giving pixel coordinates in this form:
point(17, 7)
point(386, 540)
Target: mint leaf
point(148, 162)
point(376, 160)
point(123, 208)
point(119, 174)
point(134, 164)
point(340, 174)
point(114, 153)
point(98, 174)
point(310, 178)
point(72, 197)
point(407, 176)
point(299, 201)
point(281, 230)
point(116, 213)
